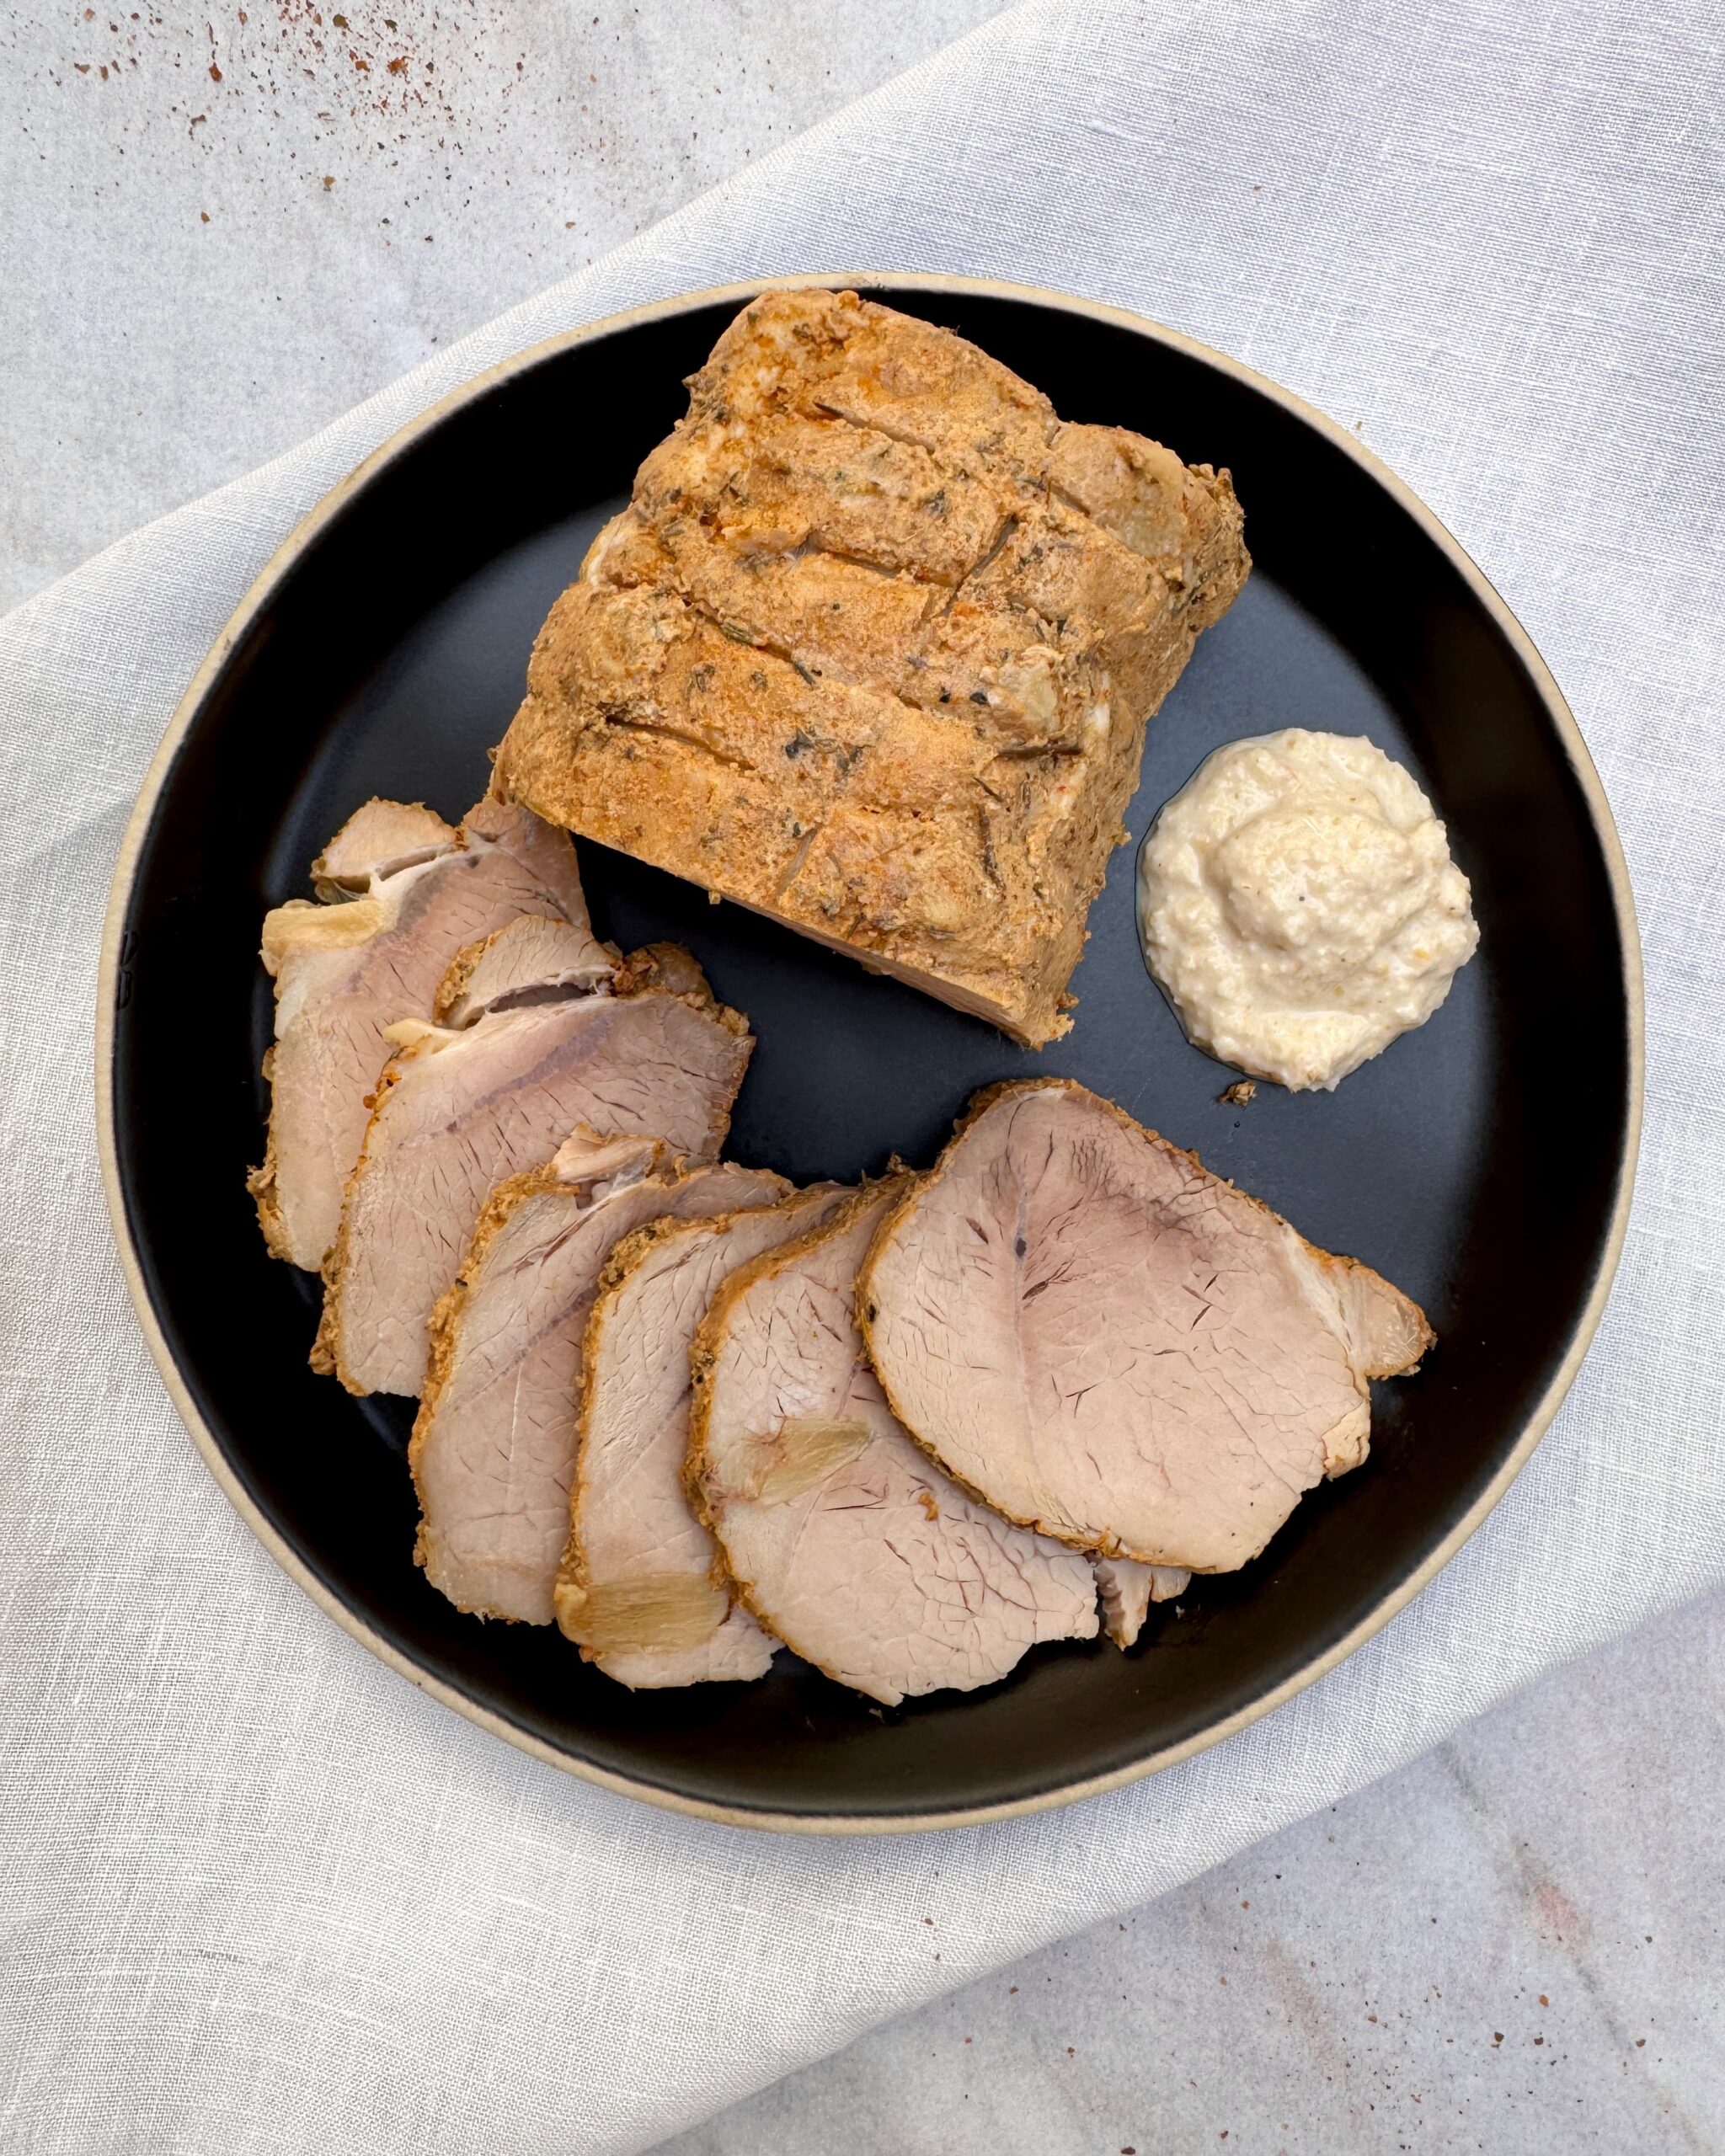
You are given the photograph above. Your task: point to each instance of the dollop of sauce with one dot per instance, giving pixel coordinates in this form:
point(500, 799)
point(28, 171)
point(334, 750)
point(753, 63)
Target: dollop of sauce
point(1299, 907)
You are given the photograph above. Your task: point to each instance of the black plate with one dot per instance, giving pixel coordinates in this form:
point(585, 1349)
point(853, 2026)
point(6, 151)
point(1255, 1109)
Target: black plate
point(1482, 1163)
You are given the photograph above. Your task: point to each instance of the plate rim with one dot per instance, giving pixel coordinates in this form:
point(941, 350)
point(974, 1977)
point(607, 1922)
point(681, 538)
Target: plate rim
point(308, 529)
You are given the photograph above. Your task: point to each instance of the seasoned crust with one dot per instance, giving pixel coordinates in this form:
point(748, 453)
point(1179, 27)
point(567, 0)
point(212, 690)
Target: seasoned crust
point(1387, 1330)
point(871, 650)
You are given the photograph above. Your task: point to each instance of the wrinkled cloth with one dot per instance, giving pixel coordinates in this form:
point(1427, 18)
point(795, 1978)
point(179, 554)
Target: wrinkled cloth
point(260, 1894)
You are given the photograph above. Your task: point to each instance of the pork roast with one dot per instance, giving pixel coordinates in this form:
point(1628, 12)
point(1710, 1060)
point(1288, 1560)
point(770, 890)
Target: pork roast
point(873, 647)
point(494, 1445)
point(842, 1536)
point(458, 1110)
point(417, 891)
point(1113, 1346)
point(641, 1591)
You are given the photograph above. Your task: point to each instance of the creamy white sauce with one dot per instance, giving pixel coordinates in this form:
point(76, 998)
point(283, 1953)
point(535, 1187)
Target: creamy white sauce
point(1299, 906)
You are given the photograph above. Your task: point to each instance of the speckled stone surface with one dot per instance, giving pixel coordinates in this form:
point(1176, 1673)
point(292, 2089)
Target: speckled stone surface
point(246, 225)
point(1515, 1944)
point(221, 226)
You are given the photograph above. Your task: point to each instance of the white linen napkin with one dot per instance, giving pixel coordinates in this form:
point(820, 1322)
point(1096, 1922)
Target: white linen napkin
point(260, 1894)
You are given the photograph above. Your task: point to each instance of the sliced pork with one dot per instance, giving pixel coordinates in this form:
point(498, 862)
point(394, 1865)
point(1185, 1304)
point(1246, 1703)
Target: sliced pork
point(534, 958)
point(641, 1591)
point(417, 892)
point(458, 1110)
point(494, 1445)
point(378, 841)
point(1127, 1589)
point(1113, 1346)
point(842, 1536)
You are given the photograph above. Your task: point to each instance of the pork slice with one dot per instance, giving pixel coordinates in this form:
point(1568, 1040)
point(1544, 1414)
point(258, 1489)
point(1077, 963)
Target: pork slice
point(1112, 1345)
point(534, 958)
point(345, 972)
point(494, 1445)
point(379, 840)
point(457, 1111)
point(1127, 1590)
point(642, 1592)
point(842, 1537)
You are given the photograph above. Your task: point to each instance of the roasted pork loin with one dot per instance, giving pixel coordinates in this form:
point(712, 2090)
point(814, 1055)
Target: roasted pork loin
point(872, 647)
point(459, 1110)
point(417, 891)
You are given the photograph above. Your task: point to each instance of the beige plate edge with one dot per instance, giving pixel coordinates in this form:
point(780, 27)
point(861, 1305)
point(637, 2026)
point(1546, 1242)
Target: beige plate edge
point(306, 532)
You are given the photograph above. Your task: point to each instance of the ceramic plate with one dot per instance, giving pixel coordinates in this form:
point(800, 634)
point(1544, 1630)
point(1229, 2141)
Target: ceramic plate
point(1482, 1163)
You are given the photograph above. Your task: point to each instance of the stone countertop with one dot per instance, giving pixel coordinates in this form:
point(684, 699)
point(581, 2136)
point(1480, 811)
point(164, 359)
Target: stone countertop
point(222, 227)
point(1518, 1943)
point(219, 234)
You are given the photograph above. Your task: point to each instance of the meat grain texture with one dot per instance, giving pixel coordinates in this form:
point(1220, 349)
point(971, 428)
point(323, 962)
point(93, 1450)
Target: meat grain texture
point(1115, 1347)
point(841, 1535)
point(493, 1452)
point(416, 892)
point(873, 647)
point(460, 1110)
point(642, 1592)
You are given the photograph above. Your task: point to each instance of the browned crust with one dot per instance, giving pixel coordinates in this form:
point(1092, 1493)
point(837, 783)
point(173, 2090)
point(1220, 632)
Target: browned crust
point(326, 1349)
point(460, 971)
point(704, 1355)
point(260, 1182)
point(672, 970)
point(261, 1188)
point(861, 861)
point(866, 1311)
